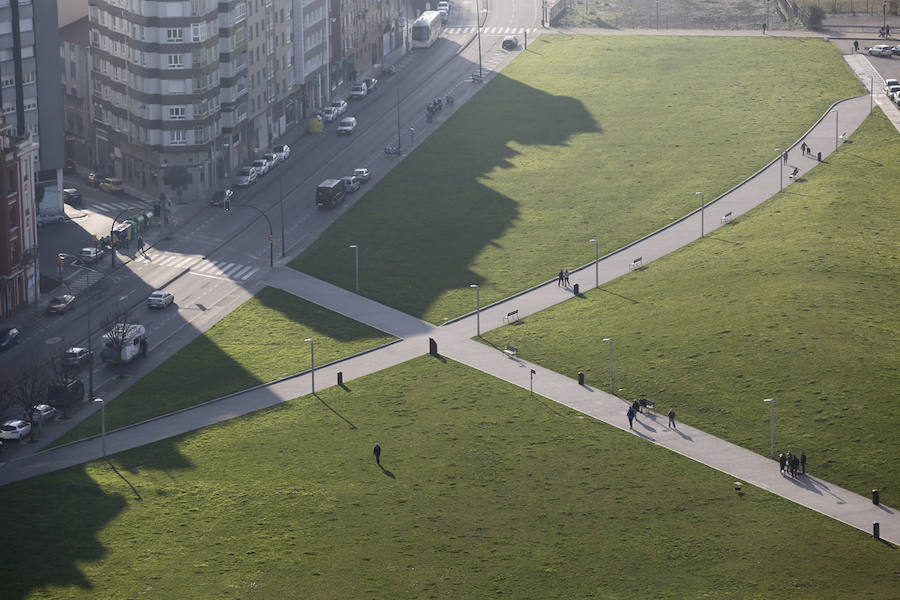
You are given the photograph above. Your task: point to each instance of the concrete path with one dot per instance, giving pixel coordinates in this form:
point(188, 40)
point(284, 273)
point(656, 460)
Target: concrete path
point(453, 340)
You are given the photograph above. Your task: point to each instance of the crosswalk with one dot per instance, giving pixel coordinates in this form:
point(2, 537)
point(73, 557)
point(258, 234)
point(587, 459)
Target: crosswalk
point(195, 264)
point(115, 207)
point(491, 30)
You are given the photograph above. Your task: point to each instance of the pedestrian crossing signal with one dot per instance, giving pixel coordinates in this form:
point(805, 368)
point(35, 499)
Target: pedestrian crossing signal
point(227, 204)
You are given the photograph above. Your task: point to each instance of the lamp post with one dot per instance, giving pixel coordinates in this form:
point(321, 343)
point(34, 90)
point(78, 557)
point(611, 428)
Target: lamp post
point(884, 12)
point(356, 252)
point(281, 202)
point(478, 32)
point(532, 382)
point(312, 363)
point(596, 261)
point(477, 308)
point(780, 169)
point(657, 15)
point(767, 15)
point(836, 117)
point(62, 258)
point(610, 364)
point(102, 423)
point(702, 203)
point(771, 402)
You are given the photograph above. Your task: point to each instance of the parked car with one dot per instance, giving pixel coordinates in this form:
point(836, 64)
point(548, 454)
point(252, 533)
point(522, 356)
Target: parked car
point(371, 84)
point(443, 5)
point(69, 167)
point(358, 90)
point(329, 113)
point(94, 178)
point(272, 158)
point(112, 185)
point(245, 176)
point(9, 337)
point(347, 125)
point(43, 219)
point(388, 70)
point(160, 299)
point(63, 394)
point(895, 50)
point(89, 256)
point(510, 42)
point(43, 413)
point(72, 196)
point(61, 304)
point(218, 198)
point(282, 151)
point(880, 50)
point(340, 106)
point(15, 429)
point(75, 356)
point(262, 166)
point(351, 183)
point(362, 175)
point(889, 82)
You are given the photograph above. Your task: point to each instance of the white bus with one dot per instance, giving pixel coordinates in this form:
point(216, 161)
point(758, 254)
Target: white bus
point(427, 29)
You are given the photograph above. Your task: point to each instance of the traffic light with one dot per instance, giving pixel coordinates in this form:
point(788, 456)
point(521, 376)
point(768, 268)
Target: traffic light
point(227, 204)
point(271, 241)
point(61, 260)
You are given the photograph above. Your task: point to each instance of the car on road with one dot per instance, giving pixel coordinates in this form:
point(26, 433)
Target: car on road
point(282, 151)
point(371, 84)
point(61, 304)
point(351, 183)
point(43, 219)
point(340, 106)
point(347, 125)
point(245, 176)
point(94, 178)
point(220, 196)
point(889, 82)
point(72, 196)
point(358, 90)
point(362, 175)
point(15, 429)
point(89, 256)
point(443, 5)
point(112, 185)
point(69, 167)
point(329, 113)
point(510, 42)
point(9, 337)
point(892, 91)
point(261, 165)
point(75, 356)
point(895, 50)
point(880, 50)
point(272, 158)
point(160, 299)
point(43, 413)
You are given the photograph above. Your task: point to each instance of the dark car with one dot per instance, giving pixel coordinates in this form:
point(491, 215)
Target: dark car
point(70, 166)
point(9, 337)
point(61, 304)
point(371, 84)
point(510, 42)
point(94, 178)
point(72, 196)
point(219, 197)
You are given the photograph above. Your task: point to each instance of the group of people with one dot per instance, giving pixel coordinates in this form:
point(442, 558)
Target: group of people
point(636, 407)
point(563, 277)
point(792, 464)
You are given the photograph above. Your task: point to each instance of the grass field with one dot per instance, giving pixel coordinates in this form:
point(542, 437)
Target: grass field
point(485, 493)
point(580, 137)
point(797, 302)
point(259, 342)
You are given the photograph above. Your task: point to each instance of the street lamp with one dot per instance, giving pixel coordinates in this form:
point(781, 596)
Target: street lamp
point(312, 363)
point(771, 402)
point(780, 169)
point(836, 116)
point(884, 12)
point(532, 381)
point(102, 423)
point(610, 364)
point(62, 258)
point(701, 210)
point(477, 309)
point(478, 32)
point(596, 261)
point(356, 252)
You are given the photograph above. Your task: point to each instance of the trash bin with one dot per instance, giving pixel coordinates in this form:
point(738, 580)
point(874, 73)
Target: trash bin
point(340, 378)
point(432, 347)
point(580, 377)
point(820, 157)
point(876, 530)
point(875, 497)
point(575, 289)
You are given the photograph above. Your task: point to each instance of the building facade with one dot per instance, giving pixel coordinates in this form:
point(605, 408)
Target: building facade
point(310, 26)
point(363, 34)
point(75, 62)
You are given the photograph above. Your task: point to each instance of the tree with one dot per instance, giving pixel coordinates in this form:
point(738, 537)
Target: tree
point(62, 375)
point(816, 17)
point(29, 390)
point(177, 178)
point(118, 335)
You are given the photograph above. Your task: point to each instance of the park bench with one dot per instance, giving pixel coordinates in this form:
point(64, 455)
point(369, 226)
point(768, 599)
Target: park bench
point(511, 350)
point(644, 403)
point(726, 217)
point(636, 263)
point(512, 315)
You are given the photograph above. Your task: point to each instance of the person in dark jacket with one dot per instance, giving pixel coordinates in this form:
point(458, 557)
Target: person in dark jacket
point(377, 452)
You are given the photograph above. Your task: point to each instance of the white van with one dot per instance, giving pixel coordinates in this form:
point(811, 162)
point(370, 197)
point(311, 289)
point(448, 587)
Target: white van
point(124, 342)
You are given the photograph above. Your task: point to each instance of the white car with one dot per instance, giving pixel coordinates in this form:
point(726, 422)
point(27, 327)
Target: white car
point(15, 430)
point(261, 165)
point(890, 82)
point(282, 151)
point(75, 356)
point(443, 5)
point(246, 176)
point(340, 106)
point(347, 125)
point(160, 299)
point(351, 183)
point(273, 159)
point(43, 413)
point(89, 256)
point(362, 175)
point(329, 113)
point(880, 50)
point(358, 90)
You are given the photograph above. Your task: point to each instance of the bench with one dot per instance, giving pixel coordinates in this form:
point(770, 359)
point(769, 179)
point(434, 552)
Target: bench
point(726, 217)
point(476, 77)
point(512, 315)
point(644, 403)
point(511, 350)
point(636, 263)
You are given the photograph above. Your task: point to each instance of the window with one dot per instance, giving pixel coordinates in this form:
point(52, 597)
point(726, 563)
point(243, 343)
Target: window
point(176, 61)
point(175, 35)
point(177, 137)
point(196, 34)
point(176, 112)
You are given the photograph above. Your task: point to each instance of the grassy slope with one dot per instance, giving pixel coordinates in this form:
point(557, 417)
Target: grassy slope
point(580, 137)
point(259, 342)
point(486, 493)
point(798, 302)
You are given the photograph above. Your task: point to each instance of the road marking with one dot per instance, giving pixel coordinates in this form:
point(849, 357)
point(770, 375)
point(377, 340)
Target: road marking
point(53, 340)
point(126, 295)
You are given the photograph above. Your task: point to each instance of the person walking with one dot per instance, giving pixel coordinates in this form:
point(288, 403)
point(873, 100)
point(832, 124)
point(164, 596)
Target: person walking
point(377, 452)
point(803, 462)
point(784, 156)
point(630, 414)
point(764, 29)
point(782, 461)
point(672, 418)
point(794, 463)
point(803, 147)
point(856, 45)
point(141, 244)
point(566, 277)
point(636, 406)
point(559, 278)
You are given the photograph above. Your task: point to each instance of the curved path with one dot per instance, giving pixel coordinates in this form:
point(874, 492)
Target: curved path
point(454, 342)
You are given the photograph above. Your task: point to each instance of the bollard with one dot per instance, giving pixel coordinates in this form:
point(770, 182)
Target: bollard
point(432, 347)
point(875, 498)
point(876, 530)
point(340, 378)
point(526, 40)
point(575, 289)
point(820, 157)
point(580, 377)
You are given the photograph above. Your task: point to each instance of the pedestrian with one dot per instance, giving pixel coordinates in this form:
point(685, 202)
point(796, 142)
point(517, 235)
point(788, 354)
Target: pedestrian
point(856, 45)
point(782, 461)
point(630, 414)
point(803, 147)
point(809, 150)
point(803, 462)
point(559, 278)
point(377, 452)
point(672, 418)
point(784, 156)
point(796, 465)
point(764, 29)
point(636, 406)
point(127, 243)
point(141, 243)
point(566, 277)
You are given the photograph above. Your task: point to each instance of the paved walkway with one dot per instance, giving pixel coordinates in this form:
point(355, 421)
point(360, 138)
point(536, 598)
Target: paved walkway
point(454, 342)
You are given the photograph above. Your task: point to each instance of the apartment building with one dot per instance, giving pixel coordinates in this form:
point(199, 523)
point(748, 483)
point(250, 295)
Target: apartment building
point(363, 32)
point(75, 70)
point(310, 27)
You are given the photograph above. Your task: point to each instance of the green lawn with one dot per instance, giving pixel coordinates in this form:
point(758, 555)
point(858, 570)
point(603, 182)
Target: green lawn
point(259, 342)
point(486, 493)
point(796, 302)
point(580, 137)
